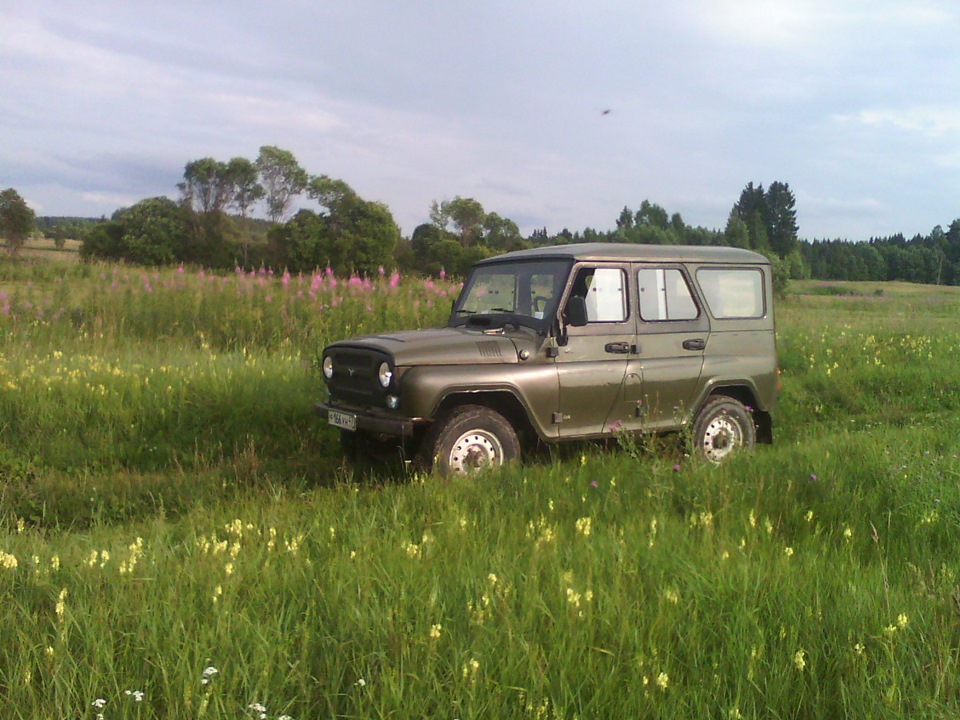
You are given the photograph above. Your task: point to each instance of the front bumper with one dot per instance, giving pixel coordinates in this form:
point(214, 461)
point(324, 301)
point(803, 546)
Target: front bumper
point(379, 424)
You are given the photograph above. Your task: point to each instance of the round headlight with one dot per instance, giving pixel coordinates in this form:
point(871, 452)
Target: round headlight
point(384, 375)
point(328, 367)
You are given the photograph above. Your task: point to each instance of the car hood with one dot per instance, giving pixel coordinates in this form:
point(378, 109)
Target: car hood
point(445, 346)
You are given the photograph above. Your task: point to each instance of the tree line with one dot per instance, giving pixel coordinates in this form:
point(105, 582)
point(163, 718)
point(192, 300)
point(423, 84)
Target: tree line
point(237, 213)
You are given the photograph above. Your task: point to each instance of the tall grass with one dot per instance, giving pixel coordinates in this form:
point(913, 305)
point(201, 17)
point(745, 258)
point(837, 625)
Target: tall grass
point(814, 578)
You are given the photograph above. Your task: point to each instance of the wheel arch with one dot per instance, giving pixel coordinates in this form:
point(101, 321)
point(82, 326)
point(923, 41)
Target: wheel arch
point(500, 400)
point(746, 395)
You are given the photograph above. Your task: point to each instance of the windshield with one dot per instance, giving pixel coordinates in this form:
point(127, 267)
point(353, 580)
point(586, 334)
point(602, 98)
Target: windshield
point(527, 292)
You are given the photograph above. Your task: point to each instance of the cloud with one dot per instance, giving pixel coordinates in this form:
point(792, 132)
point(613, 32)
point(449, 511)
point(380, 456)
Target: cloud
point(933, 122)
point(758, 23)
point(117, 200)
point(298, 114)
point(850, 102)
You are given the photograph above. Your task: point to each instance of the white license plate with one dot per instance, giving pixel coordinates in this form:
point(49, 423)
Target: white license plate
point(347, 421)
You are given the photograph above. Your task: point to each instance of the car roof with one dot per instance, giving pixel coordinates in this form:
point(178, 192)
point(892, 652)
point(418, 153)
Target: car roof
point(635, 252)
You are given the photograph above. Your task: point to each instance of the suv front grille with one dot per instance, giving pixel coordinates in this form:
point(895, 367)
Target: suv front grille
point(355, 377)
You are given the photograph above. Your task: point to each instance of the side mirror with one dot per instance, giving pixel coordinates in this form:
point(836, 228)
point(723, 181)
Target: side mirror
point(576, 311)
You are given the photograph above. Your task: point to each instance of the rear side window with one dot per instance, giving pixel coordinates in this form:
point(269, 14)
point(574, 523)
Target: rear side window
point(665, 295)
point(733, 292)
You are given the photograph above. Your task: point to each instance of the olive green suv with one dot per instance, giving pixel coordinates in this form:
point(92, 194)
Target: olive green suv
point(571, 342)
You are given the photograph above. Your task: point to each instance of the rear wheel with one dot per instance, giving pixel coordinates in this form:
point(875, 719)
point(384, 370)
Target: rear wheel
point(723, 426)
point(469, 439)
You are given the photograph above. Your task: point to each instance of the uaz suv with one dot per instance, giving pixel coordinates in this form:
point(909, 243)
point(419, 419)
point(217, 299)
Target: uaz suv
point(569, 343)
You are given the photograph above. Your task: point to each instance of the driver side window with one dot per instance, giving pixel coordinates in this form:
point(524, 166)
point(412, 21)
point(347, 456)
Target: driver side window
point(604, 291)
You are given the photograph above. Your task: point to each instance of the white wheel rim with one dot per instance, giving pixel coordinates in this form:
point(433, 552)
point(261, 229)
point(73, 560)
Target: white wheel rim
point(475, 450)
point(721, 437)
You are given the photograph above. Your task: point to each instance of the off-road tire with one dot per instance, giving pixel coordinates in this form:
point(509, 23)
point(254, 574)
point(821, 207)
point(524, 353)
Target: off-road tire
point(468, 439)
point(722, 427)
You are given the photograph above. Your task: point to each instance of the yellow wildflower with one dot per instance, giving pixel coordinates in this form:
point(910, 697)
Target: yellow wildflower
point(61, 606)
point(800, 660)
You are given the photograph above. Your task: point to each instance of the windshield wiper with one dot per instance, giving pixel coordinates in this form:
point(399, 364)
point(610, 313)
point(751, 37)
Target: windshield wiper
point(503, 310)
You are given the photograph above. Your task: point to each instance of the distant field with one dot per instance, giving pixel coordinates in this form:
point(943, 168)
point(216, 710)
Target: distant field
point(47, 250)
point(176, 522)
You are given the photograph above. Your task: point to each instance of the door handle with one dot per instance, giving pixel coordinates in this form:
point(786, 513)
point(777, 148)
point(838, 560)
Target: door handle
point(617, 347)
point(697, 344)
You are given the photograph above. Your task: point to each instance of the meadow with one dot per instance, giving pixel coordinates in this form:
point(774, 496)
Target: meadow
point(179, 537)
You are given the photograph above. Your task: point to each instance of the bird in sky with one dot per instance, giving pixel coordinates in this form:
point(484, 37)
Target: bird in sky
point(606, 112)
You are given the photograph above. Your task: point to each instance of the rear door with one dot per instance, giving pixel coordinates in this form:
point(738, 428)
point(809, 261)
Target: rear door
point(673, 331)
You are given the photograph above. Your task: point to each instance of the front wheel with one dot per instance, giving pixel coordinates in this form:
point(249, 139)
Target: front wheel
point(723, 426)
point(469, 439)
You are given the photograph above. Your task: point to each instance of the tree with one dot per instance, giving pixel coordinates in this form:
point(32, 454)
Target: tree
point(329, 192)
point(17, 219)
point(757, 231)
point(625, 220)
point(435, 248)
point(466, 215)
point(282, 178)
point(371, 234)
point(246, 192)
point(301, 244)
point(206, 186)
point(736, 233)
point(752, 199)
point(103, 242)
point(501, 234)
point(353, 235)
point(651, 214)
point(781, 218)
point(770, 216)
point(154, 231)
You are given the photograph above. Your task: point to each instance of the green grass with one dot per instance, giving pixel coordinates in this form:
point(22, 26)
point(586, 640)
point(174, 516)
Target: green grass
point(196, 516)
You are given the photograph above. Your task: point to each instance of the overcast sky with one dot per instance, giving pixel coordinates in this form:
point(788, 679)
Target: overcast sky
point(855, 104)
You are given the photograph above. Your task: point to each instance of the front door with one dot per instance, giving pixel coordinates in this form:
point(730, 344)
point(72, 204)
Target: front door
point(592, 364)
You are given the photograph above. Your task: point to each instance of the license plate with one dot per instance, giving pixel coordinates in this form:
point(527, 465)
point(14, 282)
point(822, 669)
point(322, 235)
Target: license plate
point(346, 421)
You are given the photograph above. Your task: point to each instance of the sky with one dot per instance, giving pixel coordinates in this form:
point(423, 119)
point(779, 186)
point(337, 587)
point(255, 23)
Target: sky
point(855, 104)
